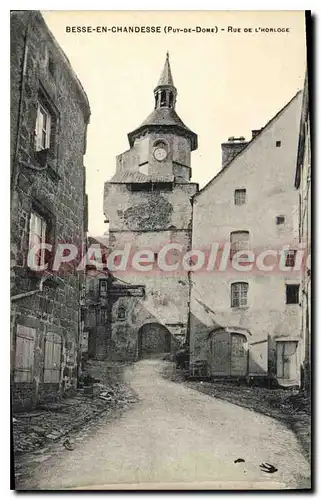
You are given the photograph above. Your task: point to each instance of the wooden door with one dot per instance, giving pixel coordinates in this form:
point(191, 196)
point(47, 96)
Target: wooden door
point(52, 366)
point(24, 356)
point(287, 359)
point(239, 355)
point(220, 353)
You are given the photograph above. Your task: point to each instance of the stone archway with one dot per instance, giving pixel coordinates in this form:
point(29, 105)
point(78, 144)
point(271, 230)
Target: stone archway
point(153, 339)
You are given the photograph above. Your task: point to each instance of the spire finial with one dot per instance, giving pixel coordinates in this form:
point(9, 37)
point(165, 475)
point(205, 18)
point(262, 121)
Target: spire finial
point(166, 76)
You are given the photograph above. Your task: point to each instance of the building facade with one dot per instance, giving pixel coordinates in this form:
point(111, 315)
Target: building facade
point(245, 319)
point(303, 185)
point(148, 205)
point(95, 306)
point(49, 117)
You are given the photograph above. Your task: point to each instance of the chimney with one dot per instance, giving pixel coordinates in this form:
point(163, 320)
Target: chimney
point(255, 133)
point(231, 148)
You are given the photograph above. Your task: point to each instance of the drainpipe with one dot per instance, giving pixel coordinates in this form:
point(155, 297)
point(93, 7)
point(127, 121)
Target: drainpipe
point(31, 292)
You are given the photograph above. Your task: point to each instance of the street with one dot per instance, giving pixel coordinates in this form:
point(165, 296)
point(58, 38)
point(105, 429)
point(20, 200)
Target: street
point(177, 436)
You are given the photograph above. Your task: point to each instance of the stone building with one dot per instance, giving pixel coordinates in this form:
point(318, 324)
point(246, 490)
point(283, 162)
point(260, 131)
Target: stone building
point(95, 306)
point(245, 321)
point(148, 205)
point(49, 117)
point(303, 185)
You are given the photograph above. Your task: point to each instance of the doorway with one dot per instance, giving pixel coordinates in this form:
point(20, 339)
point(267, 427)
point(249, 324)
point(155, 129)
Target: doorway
point(287, 359)
point(153, 339)
point(229, 354)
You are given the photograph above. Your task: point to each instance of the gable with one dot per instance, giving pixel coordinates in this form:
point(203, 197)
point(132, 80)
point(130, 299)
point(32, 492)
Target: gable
point(261, 157)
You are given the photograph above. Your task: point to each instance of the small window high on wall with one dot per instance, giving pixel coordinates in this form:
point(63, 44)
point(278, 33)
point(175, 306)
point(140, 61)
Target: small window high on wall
point(240, 196)
point(292, 294)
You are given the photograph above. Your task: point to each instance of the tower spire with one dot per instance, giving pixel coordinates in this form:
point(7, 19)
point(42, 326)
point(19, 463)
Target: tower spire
point(165, 92)
point(166, 77)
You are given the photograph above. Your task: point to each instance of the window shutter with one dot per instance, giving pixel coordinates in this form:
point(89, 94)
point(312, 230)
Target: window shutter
point(38, 130)
point(52, 368)
point(24, 359)
point(48, 130)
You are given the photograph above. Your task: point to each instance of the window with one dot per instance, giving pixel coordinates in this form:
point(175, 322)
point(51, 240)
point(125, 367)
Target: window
point(51, 66)
point(160, 144)
point(121, 313)
point(37, 235)
point(290, 256)
point(25, 345)
point(52, 363)
point(280, 219)
point(239, 294)
point(278, 144)
point(102, 316)
point(239, 196)
point(163, 99)
point(103, 288)
point(239, 241)
point(43, 128)
point(292, 294)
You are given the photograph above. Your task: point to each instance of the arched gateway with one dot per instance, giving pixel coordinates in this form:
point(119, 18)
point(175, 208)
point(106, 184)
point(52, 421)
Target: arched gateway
point(153, 338)
point(228, 353)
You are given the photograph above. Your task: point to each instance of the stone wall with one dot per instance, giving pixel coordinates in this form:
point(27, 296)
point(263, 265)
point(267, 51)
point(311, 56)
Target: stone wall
point(40, 70)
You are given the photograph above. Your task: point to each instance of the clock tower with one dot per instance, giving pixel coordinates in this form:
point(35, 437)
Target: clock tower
point(148, 205)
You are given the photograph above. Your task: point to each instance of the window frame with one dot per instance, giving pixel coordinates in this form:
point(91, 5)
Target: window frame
point(121, 313)
point(40, 129)
point(103, 316)
point(34, 214)
point(235, 245)
point(236, 287)
point(105, 285)
point(297, 287)
point(240, 200)
point(290, 257)
point(43, 209)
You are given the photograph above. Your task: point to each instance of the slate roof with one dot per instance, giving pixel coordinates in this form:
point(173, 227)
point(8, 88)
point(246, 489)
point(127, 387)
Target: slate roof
point(166, 77)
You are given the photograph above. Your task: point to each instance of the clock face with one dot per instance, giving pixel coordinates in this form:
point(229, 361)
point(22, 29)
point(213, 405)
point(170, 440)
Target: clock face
point(160, 154)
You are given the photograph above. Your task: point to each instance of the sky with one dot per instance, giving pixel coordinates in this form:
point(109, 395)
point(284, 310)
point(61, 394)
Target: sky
point(228, 82)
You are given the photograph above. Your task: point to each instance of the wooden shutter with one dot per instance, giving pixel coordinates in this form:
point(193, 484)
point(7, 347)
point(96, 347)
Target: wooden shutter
point(52, 368)
point(38, 130)
point(24, 359)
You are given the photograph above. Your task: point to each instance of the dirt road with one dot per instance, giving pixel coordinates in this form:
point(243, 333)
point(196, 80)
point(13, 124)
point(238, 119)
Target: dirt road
point(179, 437)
